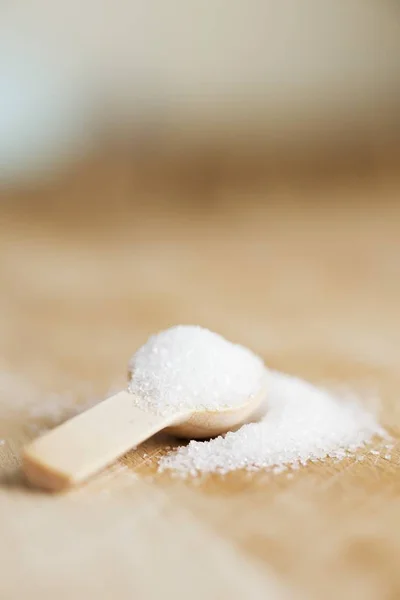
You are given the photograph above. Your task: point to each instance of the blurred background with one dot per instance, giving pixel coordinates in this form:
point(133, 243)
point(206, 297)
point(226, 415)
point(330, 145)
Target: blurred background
point(287, 79)
point(228, 163)
point(233, 164)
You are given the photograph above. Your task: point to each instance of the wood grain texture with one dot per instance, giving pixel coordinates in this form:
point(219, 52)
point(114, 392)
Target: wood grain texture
point(306, 275)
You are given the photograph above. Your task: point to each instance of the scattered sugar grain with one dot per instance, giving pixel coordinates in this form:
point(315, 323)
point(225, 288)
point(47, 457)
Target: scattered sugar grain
point(189, 367)
point(38, 409)
point(301, 423)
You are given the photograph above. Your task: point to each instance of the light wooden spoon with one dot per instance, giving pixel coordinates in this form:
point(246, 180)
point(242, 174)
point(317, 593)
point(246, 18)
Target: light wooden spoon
point(79, 448)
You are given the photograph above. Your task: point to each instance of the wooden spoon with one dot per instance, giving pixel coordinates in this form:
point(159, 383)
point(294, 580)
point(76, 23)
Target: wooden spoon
point(79, 448)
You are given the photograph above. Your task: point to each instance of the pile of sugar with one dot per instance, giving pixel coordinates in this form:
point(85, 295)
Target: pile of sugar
point(191, 367)
point(300, 423)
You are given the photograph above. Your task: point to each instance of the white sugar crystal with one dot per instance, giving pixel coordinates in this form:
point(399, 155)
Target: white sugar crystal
point(301, 423)
point(189, 367)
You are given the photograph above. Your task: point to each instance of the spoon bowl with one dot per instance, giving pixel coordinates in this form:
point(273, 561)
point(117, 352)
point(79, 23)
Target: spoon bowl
point(211, 423)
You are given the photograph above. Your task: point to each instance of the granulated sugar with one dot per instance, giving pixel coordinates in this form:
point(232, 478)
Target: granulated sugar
point(23, 401)
point(189, 367)
point(301, 423)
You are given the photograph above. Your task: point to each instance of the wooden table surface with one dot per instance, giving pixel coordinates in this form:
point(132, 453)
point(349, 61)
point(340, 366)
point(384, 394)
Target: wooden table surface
point(307, 275)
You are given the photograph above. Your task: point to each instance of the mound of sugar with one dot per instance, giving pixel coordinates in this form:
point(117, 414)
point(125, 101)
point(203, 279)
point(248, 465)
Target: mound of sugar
point(189, 367)
point(300, 423)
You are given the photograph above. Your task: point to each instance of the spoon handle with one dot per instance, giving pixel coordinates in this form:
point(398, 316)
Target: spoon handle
point(87, 443)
